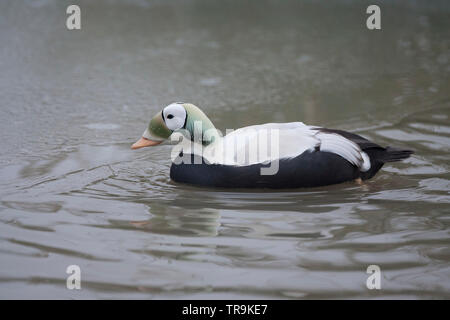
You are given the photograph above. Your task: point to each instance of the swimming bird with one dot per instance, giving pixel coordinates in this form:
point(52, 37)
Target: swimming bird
point(271, 155)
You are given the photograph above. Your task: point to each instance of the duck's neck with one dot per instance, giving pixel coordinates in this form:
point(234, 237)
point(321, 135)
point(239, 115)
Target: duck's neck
point(200, 128)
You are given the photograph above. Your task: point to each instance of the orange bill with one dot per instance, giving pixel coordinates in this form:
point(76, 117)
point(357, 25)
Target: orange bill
point(144, 142)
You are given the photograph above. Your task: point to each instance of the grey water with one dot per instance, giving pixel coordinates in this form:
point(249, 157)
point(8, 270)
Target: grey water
point(73, 193)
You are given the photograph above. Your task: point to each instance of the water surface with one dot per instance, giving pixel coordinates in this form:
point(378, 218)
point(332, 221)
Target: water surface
point(72, 192)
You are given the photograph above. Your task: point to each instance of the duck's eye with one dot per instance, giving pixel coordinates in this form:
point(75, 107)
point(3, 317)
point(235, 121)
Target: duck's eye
point(170, 116)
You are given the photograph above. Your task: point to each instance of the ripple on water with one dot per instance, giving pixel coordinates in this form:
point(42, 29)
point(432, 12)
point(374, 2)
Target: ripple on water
point(102, 126)
point(117, 210)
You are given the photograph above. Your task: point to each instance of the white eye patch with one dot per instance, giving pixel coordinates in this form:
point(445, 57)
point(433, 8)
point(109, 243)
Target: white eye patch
point(174, 116)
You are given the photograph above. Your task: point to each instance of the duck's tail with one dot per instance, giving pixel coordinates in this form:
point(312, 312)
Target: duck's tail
point(379, 156)
point(394, 154)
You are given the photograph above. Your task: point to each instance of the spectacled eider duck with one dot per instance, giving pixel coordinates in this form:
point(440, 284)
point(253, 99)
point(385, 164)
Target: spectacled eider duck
point(272, 155)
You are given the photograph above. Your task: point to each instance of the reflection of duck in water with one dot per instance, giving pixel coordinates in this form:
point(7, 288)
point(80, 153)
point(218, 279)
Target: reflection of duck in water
point(272, 155)
point(181, 221)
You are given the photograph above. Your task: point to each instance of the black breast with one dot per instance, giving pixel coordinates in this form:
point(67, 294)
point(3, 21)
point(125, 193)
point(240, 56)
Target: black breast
point(310, 169)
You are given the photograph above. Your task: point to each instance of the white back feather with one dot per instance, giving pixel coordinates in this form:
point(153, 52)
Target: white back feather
point(292, 139)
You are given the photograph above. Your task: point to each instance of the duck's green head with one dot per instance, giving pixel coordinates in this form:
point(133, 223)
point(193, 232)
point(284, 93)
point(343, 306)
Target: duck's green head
point(175, 117)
